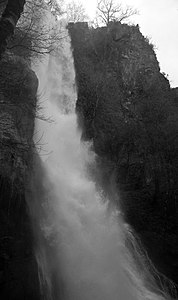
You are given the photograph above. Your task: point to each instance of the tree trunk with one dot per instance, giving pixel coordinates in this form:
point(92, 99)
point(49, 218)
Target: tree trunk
point(8, 21)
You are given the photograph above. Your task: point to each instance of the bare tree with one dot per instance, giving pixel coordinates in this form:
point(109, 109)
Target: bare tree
point(37, 31)
point(110, 10)
point(56, 6)
point(76, 12)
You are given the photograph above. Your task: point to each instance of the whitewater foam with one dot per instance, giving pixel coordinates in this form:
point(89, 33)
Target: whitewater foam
point(80, 247)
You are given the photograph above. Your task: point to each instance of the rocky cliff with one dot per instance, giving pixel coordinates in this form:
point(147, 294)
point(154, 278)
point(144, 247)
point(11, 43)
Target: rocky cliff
point(127, 108)
point(18, 269)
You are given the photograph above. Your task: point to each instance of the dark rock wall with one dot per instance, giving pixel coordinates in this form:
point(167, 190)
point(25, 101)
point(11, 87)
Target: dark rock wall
point(18, 268)
point(127, 108)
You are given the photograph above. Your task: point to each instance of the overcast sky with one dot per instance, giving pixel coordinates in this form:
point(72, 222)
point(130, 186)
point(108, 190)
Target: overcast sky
point(158, 19)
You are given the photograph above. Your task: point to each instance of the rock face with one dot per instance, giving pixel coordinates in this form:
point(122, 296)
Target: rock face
point(137, 58)
point(127, 108)
point(18, 270)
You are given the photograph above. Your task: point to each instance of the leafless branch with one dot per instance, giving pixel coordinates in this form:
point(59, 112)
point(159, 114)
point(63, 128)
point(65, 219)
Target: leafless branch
point(109, 11)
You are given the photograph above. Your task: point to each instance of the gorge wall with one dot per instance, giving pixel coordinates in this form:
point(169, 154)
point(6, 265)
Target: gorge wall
point(126, 107)
point(18, 269)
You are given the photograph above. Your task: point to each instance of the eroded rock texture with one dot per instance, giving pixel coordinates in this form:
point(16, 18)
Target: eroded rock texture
point(127, 108)
point(18, 269)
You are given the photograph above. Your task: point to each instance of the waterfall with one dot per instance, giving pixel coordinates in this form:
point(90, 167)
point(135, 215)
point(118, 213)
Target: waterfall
point(81, 248)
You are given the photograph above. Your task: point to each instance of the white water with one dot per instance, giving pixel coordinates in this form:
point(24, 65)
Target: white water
point(80, 249)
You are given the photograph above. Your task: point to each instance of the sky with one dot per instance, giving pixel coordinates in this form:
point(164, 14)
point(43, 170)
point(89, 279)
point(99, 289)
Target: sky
point(158, 20)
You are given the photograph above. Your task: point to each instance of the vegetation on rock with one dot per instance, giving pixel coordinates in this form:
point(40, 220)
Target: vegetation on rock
point(18, 270)
point(127, 108)
point(18, 88)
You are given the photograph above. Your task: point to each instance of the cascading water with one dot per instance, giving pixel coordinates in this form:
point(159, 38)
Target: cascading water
point(80, 246)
